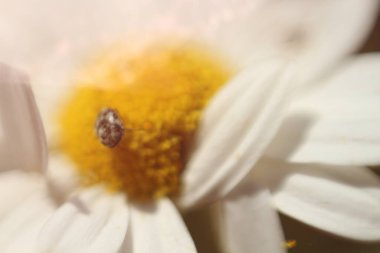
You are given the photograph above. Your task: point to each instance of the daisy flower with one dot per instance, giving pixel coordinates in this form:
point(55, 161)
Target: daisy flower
point(237, 126)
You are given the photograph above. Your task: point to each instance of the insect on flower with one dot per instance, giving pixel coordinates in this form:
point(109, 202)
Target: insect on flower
point(109, 127)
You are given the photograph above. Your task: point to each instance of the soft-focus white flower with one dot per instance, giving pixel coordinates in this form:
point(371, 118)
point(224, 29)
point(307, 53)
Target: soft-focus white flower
point(49, 38)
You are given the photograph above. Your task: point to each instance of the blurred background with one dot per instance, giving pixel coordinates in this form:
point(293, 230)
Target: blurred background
point(307, 239)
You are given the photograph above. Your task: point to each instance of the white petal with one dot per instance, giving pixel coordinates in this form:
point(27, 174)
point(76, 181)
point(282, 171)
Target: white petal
point(62, 177)
point(338, 122)
point(249, 222)
point(342, 200)
point(24, 208)
point(22, 138)
point(238, 124)
point(317, 33)
point(91, 221)
point(16, 185)
point(157, 228)
point(320, 31)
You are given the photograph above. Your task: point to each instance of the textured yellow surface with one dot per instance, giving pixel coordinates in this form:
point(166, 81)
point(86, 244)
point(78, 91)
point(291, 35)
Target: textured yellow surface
point(159, 93)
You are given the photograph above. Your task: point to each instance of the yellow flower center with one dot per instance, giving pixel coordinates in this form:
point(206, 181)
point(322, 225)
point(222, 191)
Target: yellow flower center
point(159, 94)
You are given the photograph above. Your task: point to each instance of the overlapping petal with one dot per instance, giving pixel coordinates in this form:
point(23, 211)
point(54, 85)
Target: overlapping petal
point(338, 121)
point(249, 222)
point(341, 200)
point(323, 30)
point(91, 221)
point(157, 228)
point(62, 178)
point(317, 33)
point(24, 207)
point(22, 137)
point(238, 124)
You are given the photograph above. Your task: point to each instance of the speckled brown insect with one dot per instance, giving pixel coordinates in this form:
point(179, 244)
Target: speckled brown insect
point(109, 127)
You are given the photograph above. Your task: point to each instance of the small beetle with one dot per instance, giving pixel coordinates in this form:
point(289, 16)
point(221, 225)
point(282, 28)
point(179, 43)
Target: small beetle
point(109, 127)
